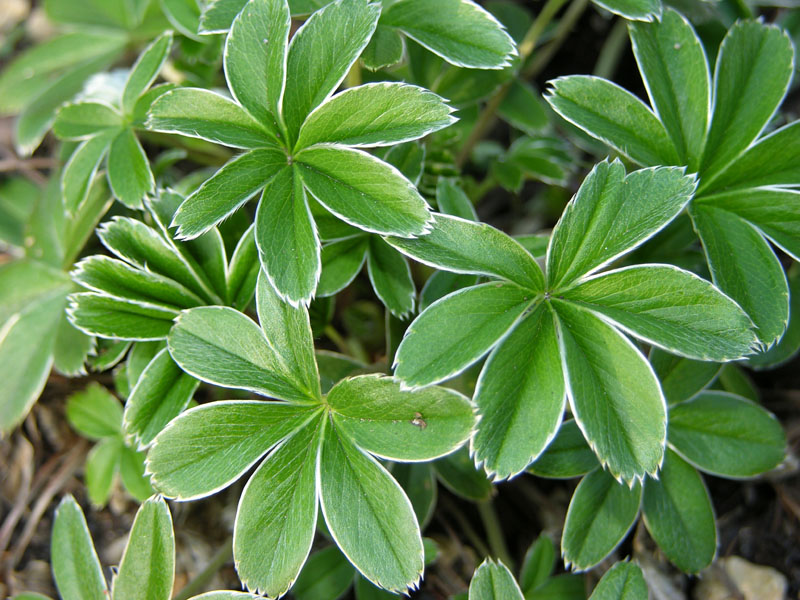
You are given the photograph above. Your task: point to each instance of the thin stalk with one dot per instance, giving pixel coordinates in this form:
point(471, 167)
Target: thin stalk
point(337, 339)
point(563, 29)
point(612, 50)
point(488, 116)
point(495, 533)
point(196, 585)
point(452, 509)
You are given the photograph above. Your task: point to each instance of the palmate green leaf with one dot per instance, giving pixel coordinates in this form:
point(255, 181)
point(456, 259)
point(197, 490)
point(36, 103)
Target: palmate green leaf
point(222, 346)
point(745, 268)
point(161, 393)
point(637, 10)
point(384, 49)
point(460, 246)
point(327, 575)
point(288, 332)
point(613, 393)
point(363, 191)
point(753, 70)
point(614, 116)
point(376, 114)
point(681, 378)
point(567, 456)
point(110, 317)
point(321, 53)
point(380, 417)
point(255, 58)
point(102, 464)
point(726, 435)
point(209, 116)
point(457, 330)
point(82, 120)
point(111, 276)
point(612, 214)
point(341, 262)
point(368, 515)
point(679, 516)
point(493, 581)
point(775, 212)
point(129, 170)
point(227, 190)
point(390, 276)
point(600, 515)
point(285, 228)
point(95, 413)
point(460, 31)
point(145, 70)
point(76, 568)
point(520, 396)
point(147, 569)
point(623, 581)
point(209, 447)
point(671, 57)
point(80, 170)
point(670, 308)
point(277, 514)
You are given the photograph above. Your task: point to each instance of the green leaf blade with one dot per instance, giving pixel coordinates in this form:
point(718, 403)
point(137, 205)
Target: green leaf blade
point(391, 278)
point(623, 581)
point(76, 568)
point(82, 120)
point(145, 70)
point(129, 170)
point(493, 581)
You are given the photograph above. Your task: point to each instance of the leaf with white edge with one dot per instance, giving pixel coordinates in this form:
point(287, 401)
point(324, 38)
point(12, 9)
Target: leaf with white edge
point(442, 283)
point(322, 52)
point(635, 10)
point(162, 392)
point(775, 212)
point(418, 480)
point(102, 464)
point(681, 378)
point(363, 191)
point(753, 70)
point(277, 514)
point(81, 168)
point(114, 277)
point(76, 568)
point(243, 270)
point(285, 228)
point(227, 190)
point(613, 393)
point(451, 200)
point(611, 215)
point(184, 15)
point(460, 31)
point(464, 246)
point(789, 345)
point(671, 57)
point(94, 412)
point(538, 564)
point(82, 120)
point(679, 516)
point(390, 276)
point(600, 515)
point(147, 569)
point(493, 581)
point(520, 396)
point(623, 581)
point(771, 161)
point(458, 473)
point(288, 332)
point(409, 158)
point(376, 114)
point(326, 574)
point(745, 268)
point(225, 595)
point(218, 15)
point(385, 49)
point(369, 515)
point(208, 447)
point(612, 115)
point(567, 456)
point(204, 114)
point(145, 70)
point(395, 424)
point(129, 170)
point(109, 317)
point(222, 346)
point(456, 331)
point(255, 58)
point(132, 472)
point(341, 262)
point(670, 308)
point(726, 435)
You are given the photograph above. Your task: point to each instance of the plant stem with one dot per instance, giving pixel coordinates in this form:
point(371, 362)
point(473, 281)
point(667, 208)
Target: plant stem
point(495, 533)
point(612, 50)
point(543, 57)
point(222, 556)
point(488, 117)
point(337, 339)
point(451, 508)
